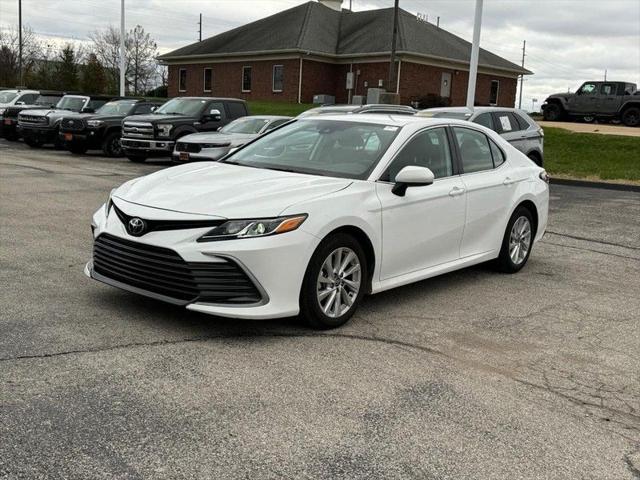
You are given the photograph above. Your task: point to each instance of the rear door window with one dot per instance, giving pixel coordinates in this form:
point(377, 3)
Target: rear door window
point(486, 120)
point(496, 153)
point(474, 148)
point(236, 109)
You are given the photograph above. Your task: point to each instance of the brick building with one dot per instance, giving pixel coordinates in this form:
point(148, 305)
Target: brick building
point(317, 48)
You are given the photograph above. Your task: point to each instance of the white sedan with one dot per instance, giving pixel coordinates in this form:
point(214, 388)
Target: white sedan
point(309, 218)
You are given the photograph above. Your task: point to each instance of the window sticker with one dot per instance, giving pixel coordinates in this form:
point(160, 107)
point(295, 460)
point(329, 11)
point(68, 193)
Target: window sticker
point(506, 125)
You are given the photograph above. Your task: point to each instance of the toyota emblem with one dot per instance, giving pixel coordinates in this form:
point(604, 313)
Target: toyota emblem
point(137, 226)
point(70, 122)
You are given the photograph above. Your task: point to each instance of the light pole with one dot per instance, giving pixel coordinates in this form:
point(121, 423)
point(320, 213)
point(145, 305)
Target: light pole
point(392, 64)
point(122, 62)
point(475, 51)
point(20, 41)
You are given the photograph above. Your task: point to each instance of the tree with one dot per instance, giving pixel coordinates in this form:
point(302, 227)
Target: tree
point(142, 52)
point(94, 79)
point(67, 68)
point(9, 55)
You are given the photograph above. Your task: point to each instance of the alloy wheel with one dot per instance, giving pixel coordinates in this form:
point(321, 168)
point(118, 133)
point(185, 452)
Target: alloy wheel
point(339, 282)
point(520, 240)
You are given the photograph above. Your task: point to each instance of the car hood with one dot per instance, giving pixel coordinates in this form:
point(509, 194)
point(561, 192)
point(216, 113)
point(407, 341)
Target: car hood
point(158, 118)
point(51, 113)
point(228, 191)
point(219, 138)
point(564, 95)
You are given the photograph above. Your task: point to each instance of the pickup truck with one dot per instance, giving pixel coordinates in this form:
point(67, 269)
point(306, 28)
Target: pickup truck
point(102, 130)
point(596, 100)
point(39, 127)
point(144, 135)
point(9, 114)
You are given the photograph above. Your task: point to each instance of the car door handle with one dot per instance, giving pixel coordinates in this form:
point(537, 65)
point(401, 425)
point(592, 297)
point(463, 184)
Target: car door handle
point(455, 191)
point(508, 181)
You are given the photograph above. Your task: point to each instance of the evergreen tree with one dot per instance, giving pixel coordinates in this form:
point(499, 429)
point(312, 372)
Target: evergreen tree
point(67, 69)
point(94, 79)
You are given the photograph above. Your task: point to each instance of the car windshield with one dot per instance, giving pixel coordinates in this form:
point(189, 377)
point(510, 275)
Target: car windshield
point(6, 97)
point(454, 115)
point(73, 104)
point(320, 147)
point(245, 125)
point(47, 100)
point(182, 106)
point(116, 108)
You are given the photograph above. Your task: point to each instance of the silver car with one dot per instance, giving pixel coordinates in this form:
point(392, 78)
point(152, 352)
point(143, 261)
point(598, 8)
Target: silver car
point(215, 145)
point(514, 125)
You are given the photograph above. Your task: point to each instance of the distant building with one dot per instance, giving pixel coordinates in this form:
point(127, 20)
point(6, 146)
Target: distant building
point(310, 49)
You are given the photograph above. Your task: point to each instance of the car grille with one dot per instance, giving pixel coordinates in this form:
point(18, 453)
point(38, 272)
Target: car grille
point(32, 120)
point(72, 124)
point(162, 271)
point(137, 130)
point(188, 147)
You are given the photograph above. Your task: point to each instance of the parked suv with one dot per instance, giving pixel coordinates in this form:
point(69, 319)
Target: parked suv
point(514, 125)
point(157, 133)
point(17, 97)
point(39, 127)
point(9, 115)
point(596, 100)
point(102, 130)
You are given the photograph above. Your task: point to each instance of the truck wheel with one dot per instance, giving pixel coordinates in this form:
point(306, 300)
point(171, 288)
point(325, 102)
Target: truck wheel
point(111, 145)
point(552, 112)
point(33, 142)
point(588, 119)
point(136, 158)
point(631, 117)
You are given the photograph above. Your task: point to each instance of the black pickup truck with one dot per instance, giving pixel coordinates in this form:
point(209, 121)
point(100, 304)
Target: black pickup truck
point(39, 127)
point(102, 130)
point(596, 101)
point(144, 135)
point(9, 115)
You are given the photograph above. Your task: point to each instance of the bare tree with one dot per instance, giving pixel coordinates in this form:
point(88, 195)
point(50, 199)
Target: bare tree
point(9, 53)
point(143, 59)
point(106, 46)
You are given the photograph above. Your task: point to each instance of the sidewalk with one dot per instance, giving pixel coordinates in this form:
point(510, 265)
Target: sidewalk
point(602, 128)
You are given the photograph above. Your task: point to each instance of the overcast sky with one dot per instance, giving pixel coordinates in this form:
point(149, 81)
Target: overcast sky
point(568, 41)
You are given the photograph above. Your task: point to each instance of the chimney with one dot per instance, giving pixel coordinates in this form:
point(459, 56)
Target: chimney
point(332, 4)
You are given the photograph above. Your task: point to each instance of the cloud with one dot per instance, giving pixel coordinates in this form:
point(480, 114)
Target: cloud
point(568, 41)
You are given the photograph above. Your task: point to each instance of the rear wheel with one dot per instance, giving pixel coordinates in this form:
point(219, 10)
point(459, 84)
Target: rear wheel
point(552, 112)
point(334, 283)
point(517, 241)
point(111, 145)
point(631, 117)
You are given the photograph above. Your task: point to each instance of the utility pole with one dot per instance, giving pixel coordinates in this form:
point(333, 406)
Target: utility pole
point(392, 64)
point(20, 41)
point(475, 52)
point(200, 29)
point(524, 46)
point(122, 62)
point(605, 74)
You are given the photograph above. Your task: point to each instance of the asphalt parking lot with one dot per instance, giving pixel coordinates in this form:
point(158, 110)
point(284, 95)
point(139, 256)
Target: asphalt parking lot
point(472, 375)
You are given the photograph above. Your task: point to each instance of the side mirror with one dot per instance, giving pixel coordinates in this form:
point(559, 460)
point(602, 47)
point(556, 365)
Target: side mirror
point(20, 102)
point(412, 176)
point(213, 115)
point(154, 108)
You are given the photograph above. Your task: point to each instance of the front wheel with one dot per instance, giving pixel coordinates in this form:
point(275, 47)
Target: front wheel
point(631, 117)
point(111, 145)
point(552, 112)
point(334, 283)
point(517, 242)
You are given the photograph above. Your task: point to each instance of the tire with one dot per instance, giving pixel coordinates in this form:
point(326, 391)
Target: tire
point(552, 112)
point(77, 149)
point(33, 142)
point(589, 119)
point(136, 158)
point(631, 117)
point(515, 237)
point(111, 145)
point(316, 295)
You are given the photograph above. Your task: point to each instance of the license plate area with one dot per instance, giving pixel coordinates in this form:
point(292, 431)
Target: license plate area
point(184, 156)
point(68, 137)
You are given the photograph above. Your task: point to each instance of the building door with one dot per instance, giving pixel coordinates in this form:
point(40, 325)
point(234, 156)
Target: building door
point(445, 85)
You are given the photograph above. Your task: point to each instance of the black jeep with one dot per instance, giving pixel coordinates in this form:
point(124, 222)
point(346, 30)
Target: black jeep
point(102, 130)
point(180, 116)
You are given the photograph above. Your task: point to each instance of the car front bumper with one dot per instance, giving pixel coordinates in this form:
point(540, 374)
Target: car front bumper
point(276, 264)
point(148, 146)
point(91, 138)
point(205, 154)
point(42, 133)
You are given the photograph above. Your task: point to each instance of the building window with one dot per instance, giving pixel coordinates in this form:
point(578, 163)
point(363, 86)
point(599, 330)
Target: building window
point(246, 79)
point(208, 79)
point(493, 94)
point(278, 78)
point(182, 80)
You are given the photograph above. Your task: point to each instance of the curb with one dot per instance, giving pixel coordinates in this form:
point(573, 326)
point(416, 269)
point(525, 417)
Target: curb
point(590, 184)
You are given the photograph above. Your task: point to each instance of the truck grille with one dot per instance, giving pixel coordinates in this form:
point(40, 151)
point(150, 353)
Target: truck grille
point(24, 119)
point(137, 130)
point(188, 147)
point(72, 124)
point(162, 271)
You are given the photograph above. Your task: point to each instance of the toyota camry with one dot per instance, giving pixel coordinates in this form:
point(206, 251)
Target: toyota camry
point(315, 214)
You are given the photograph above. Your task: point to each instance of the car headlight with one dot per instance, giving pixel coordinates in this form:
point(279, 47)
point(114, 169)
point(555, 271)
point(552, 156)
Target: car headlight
point(107, 206)
point(94, 123)
point(250, 228)
point(164, 130)
point(544, 176)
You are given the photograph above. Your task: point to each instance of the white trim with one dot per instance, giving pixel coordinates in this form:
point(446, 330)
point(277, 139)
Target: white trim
point(497, 93)
point(398, 78)
point(180, 78)
point(300, 82)
point(273, 78)
point(204, 80)
point(250, 79)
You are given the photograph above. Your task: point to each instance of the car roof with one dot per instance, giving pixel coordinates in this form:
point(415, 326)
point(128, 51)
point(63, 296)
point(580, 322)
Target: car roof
point(266, 117)
point(210, 98)
point(385, 119)
point(468, 110)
